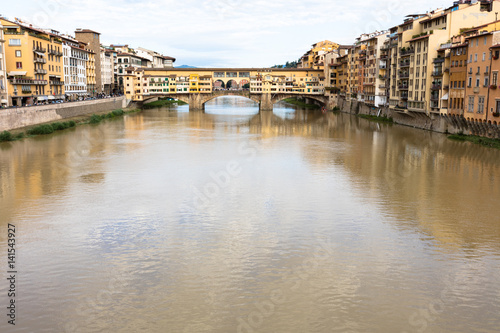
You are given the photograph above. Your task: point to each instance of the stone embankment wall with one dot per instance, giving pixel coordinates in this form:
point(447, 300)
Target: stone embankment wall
point(434, 122)
point(28, 116)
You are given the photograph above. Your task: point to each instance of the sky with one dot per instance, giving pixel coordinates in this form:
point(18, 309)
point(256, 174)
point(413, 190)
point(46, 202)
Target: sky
point(220, 33)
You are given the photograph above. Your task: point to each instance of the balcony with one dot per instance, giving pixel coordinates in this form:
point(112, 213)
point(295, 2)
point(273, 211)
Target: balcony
point(436, 87)
point(40, 61)
point(403, 64)
point(55, 52)
point(40, 71)
point(56, 83)
point(27, 81)
point(39, 49)
point(404, 97)
point(404, 75)
point(407, 52)
point(403, 87)
point(437, 73)
point(438, 60)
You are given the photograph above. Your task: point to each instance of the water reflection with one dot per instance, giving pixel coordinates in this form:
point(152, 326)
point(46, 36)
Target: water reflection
point(355, 224)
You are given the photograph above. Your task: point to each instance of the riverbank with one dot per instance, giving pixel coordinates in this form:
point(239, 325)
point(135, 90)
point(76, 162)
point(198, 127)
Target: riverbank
point(300, 103)
point(486, 142)
point(51, 127)
point(18, 118)
point(435, 122)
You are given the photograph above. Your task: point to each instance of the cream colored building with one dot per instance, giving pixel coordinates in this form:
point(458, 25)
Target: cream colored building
point(107, 70)
point(4, 93)
point(75, 58)
point(156, 60)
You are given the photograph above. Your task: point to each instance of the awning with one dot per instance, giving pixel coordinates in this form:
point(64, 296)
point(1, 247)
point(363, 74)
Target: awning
point(40, 53)
point(4, 101)
point(16, 73)
point(68, 95)
point(51, 97)
point(56, 76)
point(445, 97)
point(41, 98)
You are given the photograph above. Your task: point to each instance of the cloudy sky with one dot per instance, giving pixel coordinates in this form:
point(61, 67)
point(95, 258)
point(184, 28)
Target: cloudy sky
point(220, 33)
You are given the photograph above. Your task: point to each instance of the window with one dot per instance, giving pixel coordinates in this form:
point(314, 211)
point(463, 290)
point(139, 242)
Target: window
point(19, 65)
point(494, 78)
point(471, 104)
point(486, 79)
point(480, 104)
point(470, 58)
point(484, 40)
point(18, 53)
point(470, 82)
point(14, 42)
point(484, 56)
point(477, 81)
point(475, 57)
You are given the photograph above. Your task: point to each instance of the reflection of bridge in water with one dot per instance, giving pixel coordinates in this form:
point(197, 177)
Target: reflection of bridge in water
point(197, 86)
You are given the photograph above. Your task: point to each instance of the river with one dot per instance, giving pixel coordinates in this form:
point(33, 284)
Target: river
point(238, 221)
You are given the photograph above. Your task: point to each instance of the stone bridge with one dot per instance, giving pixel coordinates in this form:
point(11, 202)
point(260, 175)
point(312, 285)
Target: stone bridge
point(266, 101)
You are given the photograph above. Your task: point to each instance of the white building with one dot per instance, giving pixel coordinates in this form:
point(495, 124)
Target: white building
point(156, 60)
point(107, 70)
point(4, 94)
point(75, 58)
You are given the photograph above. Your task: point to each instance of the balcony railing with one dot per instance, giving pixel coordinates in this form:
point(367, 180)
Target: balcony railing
point(55, 52)
point(40, 71)
point(40, 60)
point(404, 64)
point(437, 73)
point(404, 75)
point(27, 81)
point(438, 60)
point(407, 52)
point(403, 87)
point(39, 49)
point(57, 83)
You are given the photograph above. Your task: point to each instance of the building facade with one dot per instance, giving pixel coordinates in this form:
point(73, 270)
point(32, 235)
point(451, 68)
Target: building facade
point(107, 71)
point(156, 60)
point(76, 58)
point(92, 39)
point(4, 93)
point(34, 64)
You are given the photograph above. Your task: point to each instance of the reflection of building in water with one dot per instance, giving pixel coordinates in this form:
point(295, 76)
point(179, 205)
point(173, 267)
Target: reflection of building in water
point(423, 175)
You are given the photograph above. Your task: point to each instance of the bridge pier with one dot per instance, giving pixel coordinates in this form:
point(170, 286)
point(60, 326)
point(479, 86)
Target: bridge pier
point(196, 103)
point(266, 102)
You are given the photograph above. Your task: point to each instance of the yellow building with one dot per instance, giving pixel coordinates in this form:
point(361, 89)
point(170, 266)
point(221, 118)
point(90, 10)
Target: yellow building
point(91, 76)
point(34, 62)
point(194, 80)
point(315, 57)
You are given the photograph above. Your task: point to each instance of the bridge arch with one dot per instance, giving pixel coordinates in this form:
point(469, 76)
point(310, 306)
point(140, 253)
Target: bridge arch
point(322, 100)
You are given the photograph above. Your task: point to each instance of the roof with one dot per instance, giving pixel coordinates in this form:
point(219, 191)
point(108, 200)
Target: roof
point(419, 38)
point(433, 18)
point(86, 31)
point(459, 45)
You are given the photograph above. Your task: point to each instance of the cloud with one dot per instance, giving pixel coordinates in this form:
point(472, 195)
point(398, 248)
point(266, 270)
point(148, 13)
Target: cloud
point(220, 32)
